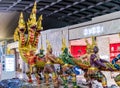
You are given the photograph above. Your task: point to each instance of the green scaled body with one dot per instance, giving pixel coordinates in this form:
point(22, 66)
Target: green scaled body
point(66, 57)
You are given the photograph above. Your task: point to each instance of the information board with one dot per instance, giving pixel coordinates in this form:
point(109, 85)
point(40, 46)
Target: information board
point(10, 63)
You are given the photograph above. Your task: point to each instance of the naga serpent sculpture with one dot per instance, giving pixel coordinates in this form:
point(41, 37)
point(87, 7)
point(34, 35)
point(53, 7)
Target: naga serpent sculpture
point(95, 65)
point(28, 43)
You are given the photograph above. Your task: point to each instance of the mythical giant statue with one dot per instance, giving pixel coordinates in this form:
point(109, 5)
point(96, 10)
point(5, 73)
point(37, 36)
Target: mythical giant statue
point(95, 65)
point(28, 42)
point(67, 64)
point(50, 60)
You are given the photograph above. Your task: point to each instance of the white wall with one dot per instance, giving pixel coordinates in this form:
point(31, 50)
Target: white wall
point(55, 38)
point(102, 25)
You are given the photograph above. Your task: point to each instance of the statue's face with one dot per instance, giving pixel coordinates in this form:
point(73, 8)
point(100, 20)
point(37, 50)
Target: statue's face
point(41, 51)
point(95, 49)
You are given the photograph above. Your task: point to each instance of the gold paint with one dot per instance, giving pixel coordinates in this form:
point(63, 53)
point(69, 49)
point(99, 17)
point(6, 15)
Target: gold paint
point(63, 44)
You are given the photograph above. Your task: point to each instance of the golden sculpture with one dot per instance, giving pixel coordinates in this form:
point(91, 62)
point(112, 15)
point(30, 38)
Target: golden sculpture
point(28, 44)
point(49, 66)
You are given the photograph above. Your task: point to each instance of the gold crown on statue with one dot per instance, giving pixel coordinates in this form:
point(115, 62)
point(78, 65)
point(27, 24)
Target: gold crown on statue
point(39, 23)
point(90, 46)
point(31, 23)
point(32, 20)
point(63, 44)
point(48, 45)
point(21, 24)
point(16, 37)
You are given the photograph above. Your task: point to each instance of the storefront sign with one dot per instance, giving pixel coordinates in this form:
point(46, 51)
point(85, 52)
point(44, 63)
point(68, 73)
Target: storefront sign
point(10, 63)
point(93, 31)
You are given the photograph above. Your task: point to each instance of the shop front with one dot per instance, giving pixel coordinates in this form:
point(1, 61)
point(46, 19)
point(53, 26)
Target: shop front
point(107, 38)
point(109, 46)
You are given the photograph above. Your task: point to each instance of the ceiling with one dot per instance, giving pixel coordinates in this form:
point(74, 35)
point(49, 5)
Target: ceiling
point(58, 13)
point(71, 11)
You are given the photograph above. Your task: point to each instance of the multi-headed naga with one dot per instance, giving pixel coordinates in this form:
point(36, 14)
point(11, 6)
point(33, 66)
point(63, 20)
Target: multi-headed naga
point(28, 43)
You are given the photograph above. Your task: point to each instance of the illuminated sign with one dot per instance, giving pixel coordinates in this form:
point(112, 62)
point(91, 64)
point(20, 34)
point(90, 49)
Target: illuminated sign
point(10, 63)
point(93, 30)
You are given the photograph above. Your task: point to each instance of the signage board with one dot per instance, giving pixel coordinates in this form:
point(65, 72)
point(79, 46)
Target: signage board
point(9, 63)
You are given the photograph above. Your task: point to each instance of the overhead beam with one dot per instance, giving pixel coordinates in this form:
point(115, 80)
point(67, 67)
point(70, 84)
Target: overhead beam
point(30, 5)
point(95, 14)
point(5, 1)
point(47, 6)
point(114, 4)
point(89, 7)
point(116, 1)
point(3, 8)
point(14, 4)
point(80, 14)
point(66, 7)
point(88, 12)
point(94, 10)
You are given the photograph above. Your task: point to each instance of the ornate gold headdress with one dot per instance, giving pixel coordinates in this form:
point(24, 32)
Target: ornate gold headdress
point(63, 44)
point(90, 46)
point(93, 42)
point(21, 24)
point(32, 20)
point(16, 36)
point(48, 45)
point(39, 23)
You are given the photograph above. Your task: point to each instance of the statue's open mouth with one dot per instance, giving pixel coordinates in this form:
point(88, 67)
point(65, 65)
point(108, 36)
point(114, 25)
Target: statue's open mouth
point(22, 30)
point(33, 27)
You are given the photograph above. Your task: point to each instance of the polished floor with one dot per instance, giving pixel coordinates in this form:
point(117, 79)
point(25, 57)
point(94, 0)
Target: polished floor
point(80, 80)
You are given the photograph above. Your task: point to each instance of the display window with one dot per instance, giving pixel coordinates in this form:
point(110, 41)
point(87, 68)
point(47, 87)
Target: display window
point(77, 51)
point(109, 46)
point(78, 47)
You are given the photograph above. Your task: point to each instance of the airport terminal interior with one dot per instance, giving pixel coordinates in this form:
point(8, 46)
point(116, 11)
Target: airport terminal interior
point(59, 43)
